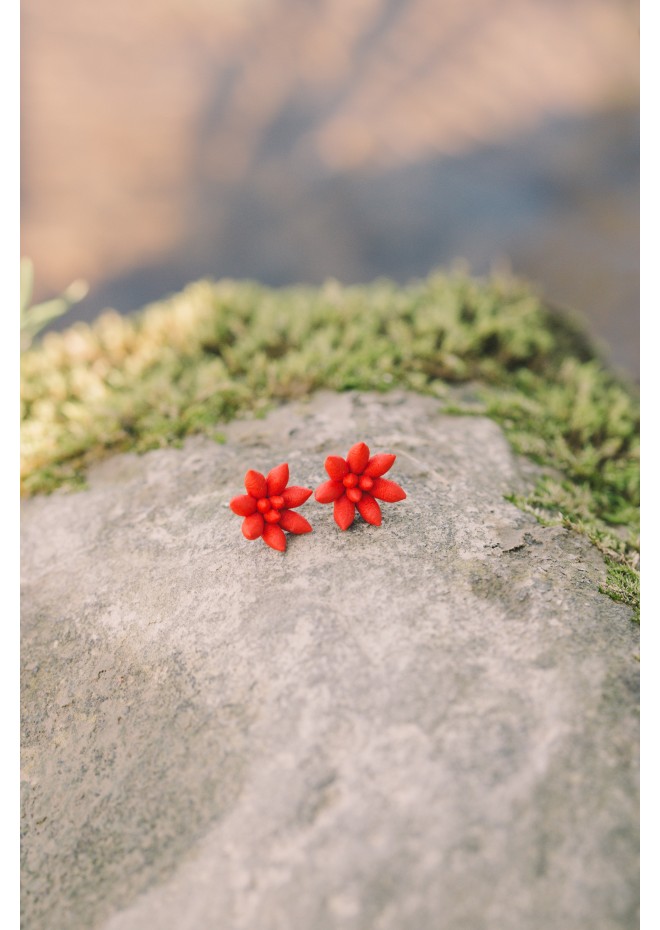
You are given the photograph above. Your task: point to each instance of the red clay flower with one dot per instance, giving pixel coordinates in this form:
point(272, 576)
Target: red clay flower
point(357, 481)
point(267, 507)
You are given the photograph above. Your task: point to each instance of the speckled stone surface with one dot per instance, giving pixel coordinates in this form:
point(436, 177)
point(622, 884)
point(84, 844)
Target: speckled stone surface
point(428, 724)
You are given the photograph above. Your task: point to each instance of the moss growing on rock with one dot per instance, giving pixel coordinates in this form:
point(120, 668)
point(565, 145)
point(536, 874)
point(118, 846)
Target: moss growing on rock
point(217, 350)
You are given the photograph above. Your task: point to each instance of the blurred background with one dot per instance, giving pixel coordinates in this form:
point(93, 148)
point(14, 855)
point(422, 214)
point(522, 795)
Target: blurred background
point(286, 141)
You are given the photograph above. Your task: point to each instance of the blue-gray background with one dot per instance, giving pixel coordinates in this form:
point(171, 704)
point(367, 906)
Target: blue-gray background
point(294, 141)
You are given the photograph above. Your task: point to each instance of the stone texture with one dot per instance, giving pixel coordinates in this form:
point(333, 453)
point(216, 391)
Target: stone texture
point(429, 724)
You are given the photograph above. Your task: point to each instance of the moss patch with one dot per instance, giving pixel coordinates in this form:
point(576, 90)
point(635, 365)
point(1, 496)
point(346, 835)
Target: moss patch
point(217, 350)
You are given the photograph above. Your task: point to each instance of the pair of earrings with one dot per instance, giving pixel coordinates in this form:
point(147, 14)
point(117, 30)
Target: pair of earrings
point(354, 482)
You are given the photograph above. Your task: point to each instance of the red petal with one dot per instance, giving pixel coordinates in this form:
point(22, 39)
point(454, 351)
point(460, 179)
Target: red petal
point(293, 522)
point(243, 505)
point(253, 526)
point(379, 464)
point(255, 484)
point(344, 512)
point(357, 458)
point(295, 496)
point(388, 491)
point(369, 509)
point(329, 491)
point(274, 537)
point(277, 479)
point(336, 467)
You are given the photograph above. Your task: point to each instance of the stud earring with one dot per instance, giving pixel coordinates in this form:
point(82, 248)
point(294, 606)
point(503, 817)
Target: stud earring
point(357, 481)
point(268, 507)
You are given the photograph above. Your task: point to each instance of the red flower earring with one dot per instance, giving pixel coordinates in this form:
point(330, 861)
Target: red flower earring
point(267, 507)
point(357, 481)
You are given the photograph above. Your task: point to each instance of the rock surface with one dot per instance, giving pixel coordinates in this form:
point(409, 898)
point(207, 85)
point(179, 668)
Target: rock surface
point(429, 724)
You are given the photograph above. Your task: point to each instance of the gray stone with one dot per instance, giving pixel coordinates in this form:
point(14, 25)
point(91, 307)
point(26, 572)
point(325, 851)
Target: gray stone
point(428, 724)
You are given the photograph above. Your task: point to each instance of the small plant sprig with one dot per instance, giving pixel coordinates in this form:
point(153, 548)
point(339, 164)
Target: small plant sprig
point(34, 317)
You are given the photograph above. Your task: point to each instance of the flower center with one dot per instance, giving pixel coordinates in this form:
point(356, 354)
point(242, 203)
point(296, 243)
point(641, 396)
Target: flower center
point(266, 504)
point(355, 485)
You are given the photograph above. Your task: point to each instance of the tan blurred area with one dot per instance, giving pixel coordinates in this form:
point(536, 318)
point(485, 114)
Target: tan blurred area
point(282, 140)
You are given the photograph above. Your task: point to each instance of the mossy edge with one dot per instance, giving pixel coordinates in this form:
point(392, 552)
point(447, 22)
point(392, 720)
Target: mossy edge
point(221, 349)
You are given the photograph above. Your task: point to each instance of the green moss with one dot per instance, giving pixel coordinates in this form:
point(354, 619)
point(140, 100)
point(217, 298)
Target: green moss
point(622, 584)
point(218, 350)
